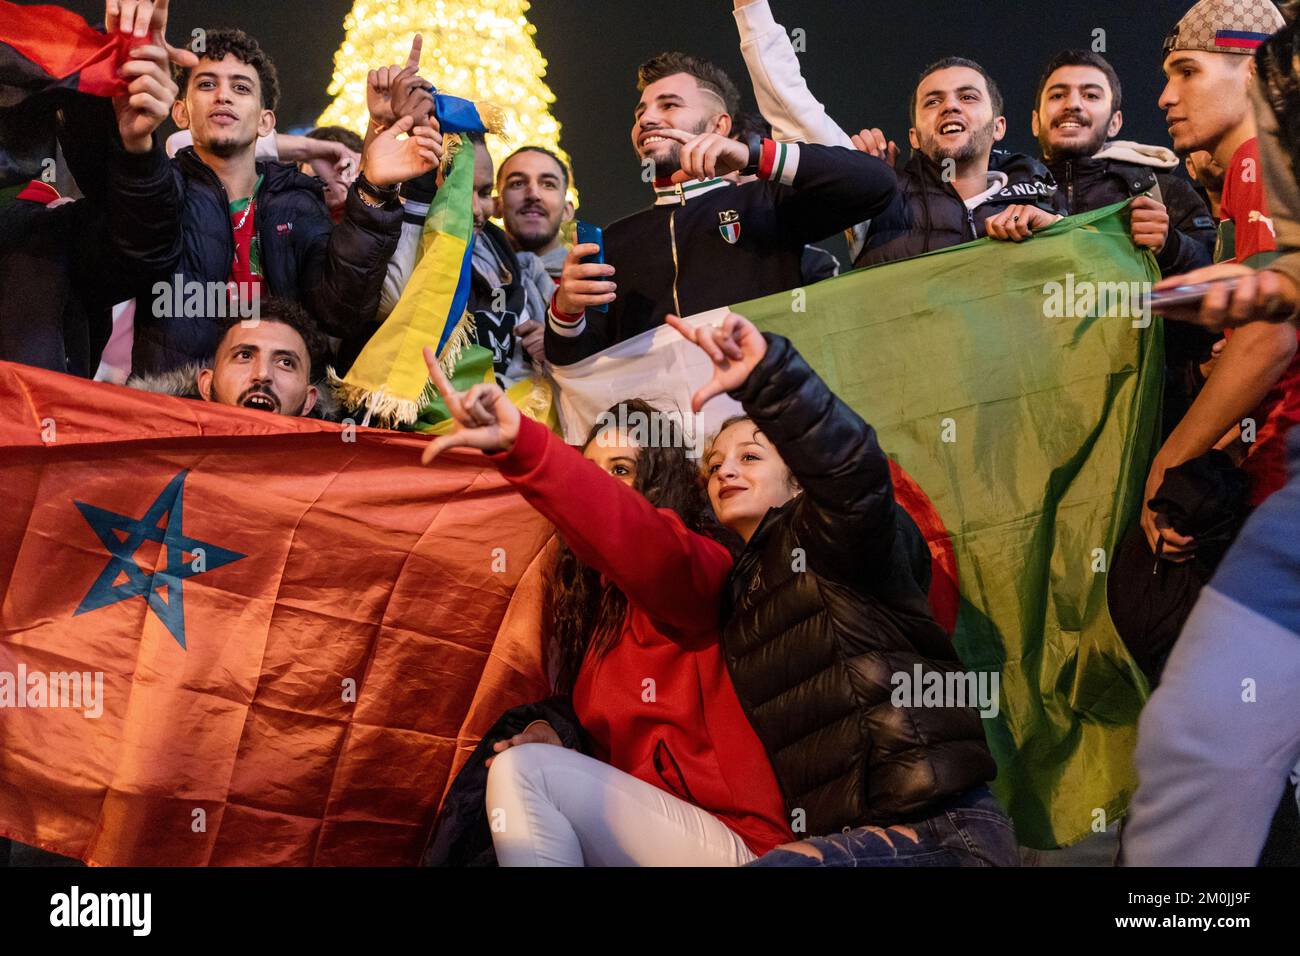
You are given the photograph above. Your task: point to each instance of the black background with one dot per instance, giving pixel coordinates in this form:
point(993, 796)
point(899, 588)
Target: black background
point(862, 60)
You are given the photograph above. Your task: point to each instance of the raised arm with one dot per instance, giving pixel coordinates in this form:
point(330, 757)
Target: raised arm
point(783, 97)
point(673, 574)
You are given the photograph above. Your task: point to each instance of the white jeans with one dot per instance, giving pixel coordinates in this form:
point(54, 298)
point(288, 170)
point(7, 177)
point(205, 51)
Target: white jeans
point(549, 806)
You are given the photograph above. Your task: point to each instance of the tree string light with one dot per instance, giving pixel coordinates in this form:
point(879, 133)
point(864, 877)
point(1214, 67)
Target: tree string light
point(477, 49)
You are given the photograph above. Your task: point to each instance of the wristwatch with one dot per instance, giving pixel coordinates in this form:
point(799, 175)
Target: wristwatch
point(755, 143)
point(385, 194)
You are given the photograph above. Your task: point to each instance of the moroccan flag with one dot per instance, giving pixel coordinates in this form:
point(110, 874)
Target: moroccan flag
point(230, 637)
point(1016, 388)
point(48, 47)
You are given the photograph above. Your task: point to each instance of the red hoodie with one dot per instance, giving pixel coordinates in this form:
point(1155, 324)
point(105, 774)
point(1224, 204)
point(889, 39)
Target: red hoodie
point(659, 703)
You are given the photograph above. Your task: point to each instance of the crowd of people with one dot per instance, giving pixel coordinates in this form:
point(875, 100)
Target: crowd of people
point(771, 737)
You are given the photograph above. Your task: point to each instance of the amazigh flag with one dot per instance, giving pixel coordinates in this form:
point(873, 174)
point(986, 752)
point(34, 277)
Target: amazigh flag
point(389, 378)
point(1021, 422)
point(230, 637)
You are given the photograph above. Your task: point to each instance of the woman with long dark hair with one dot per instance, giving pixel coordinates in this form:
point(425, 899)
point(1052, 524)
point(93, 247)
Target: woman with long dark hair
point(676, 775)
point(824, 624)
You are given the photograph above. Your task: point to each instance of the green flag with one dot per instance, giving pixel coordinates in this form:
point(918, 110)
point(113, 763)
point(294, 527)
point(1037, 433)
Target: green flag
point(1027, 416)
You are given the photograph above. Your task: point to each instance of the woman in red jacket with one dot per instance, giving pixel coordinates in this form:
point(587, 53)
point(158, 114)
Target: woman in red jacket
point(682, 779)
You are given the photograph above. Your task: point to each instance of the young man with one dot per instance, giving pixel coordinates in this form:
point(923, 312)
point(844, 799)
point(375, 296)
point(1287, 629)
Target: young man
point(264, 226)
point(706, 242)
point(1076, 119)
point(271, 365)
point(532, 201)
point(509, 290)
point(953, 185)
point(1255, 383)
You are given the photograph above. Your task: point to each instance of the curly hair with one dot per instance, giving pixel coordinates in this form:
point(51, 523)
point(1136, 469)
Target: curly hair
point(295, 316)
point(587, 611)
point(220, 43)
point(708, 75)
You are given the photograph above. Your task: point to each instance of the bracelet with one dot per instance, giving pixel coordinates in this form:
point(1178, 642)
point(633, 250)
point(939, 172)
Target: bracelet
point(755, 143)
point(385, 194)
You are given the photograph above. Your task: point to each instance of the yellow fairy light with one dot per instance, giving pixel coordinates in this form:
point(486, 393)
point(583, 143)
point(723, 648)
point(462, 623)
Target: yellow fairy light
point(478, 49)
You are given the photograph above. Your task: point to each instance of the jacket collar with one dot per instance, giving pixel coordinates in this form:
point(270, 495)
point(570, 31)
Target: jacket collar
point(668, 193)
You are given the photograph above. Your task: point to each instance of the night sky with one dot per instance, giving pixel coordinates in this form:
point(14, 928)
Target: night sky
point(862, 59)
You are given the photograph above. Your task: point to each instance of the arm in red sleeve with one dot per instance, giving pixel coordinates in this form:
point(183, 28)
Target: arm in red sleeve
point(673, 574)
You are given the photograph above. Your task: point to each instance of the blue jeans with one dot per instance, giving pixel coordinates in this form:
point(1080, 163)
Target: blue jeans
point(970, 830)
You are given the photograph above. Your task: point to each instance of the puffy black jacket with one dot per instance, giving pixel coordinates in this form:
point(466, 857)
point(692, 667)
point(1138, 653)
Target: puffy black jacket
point(1092, 183)
point(62, 269)
point(812, 652)
point(335, 272)
point(929, 214)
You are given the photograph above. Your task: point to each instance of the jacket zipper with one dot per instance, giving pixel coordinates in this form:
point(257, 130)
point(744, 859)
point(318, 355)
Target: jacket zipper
point(1069, 187)
point(672, 238)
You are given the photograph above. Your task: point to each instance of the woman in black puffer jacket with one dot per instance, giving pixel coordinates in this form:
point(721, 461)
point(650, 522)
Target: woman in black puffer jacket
point(826, 626)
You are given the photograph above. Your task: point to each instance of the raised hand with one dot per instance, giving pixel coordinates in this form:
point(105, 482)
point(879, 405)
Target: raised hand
point(484, 417)
point(145, 18)
point(872, 142)
point(148, 100)
point(706, 155)
point(735, 348)
point(396, 91)
point(389, 160)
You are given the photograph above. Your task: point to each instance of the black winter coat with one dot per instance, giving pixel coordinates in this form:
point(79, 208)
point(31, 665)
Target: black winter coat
point(812, 652)
point(335, 272)
point(1092, 183)
point(61, 270)
point(929, 214)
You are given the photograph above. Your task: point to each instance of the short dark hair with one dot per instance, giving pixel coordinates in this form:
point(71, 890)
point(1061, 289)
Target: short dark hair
point(295, 316)
point(564, 167)
point(338, 134)
point(220, 43)
point(1080, 58)
point(745, 124)
point(708, 75)
point(948, 62)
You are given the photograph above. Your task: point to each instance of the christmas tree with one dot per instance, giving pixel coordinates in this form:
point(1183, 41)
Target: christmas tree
point(476, 49)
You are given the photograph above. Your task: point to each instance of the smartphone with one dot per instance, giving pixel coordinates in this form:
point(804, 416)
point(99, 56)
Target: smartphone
point(585, 232)
point(1187, 294)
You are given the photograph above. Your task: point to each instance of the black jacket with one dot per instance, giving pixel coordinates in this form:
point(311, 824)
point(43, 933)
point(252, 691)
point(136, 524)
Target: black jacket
point(335, 272)
point(1092, 183)
point(62, 269)
point(929, 214)
point(812, 652)
point(675, 256)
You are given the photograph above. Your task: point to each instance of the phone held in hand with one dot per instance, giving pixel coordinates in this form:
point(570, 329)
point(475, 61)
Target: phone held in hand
point(1184, 295)
point(580, 233)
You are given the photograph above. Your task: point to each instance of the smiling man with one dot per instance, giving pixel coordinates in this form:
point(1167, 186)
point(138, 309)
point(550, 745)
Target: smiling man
point(1076, 119)
point(262, 229)
point(532, 202)
point(956, 187)
point(706, 242)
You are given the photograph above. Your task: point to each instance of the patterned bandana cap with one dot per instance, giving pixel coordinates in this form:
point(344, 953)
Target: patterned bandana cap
point(1225, 26)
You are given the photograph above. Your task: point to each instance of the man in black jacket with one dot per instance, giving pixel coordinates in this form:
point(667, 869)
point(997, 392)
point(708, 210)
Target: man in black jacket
point(264, 226)
point(956, 187)
point(1076, 112)
point(706, 242)
point(64, 264)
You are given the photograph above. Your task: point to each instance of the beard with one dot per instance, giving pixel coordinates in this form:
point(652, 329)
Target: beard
point(672, 162)
point(537, 235)
point(978, 143)
point(229, 144)
point(1083, 150)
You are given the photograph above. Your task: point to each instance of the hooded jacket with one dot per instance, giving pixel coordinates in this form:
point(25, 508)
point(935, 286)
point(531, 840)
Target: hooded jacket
point(929, 214)
point(814, 651)
point(334, 272)
point(1122, 169)
point(183, 382)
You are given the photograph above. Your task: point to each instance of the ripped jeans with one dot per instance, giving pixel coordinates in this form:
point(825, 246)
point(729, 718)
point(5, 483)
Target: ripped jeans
point(970, 830)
